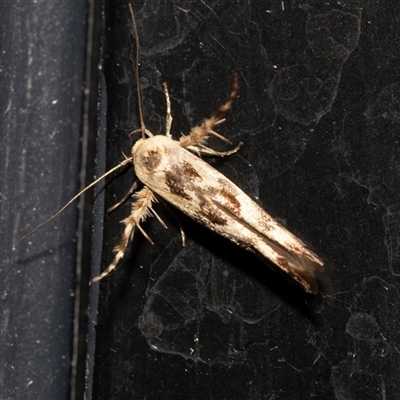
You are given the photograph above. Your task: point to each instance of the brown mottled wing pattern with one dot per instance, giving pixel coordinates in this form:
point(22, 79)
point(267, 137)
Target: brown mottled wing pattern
point(207, 196)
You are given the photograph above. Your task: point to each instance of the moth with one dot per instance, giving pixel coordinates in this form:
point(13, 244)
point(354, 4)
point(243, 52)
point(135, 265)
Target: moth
point(175, 172)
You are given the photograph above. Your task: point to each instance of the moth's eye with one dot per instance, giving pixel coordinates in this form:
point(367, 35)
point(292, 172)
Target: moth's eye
point(151, 159)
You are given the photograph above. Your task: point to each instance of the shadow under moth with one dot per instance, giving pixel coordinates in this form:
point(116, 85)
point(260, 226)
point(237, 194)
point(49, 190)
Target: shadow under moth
point(174, 171)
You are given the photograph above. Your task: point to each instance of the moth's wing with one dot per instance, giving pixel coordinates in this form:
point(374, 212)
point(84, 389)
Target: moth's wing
point(253, 228)
point(207, 196)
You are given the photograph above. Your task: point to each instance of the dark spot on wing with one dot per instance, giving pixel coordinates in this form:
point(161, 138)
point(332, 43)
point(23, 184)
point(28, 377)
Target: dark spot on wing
point(188, 170)
point(210, 210)
point(176, 185)
point(151, 159)
point(228, 197)
point(179, 177)
point(282, 262)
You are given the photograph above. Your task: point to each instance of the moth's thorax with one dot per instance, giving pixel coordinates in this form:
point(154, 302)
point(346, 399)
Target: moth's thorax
point(155, 156)
point(151, 154)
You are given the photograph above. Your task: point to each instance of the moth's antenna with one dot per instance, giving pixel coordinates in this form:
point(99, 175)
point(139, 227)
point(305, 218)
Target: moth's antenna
point(122, 164)
point(142, 126)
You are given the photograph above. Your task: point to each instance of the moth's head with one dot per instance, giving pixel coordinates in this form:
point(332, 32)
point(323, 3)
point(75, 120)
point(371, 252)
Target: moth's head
point(151, 154)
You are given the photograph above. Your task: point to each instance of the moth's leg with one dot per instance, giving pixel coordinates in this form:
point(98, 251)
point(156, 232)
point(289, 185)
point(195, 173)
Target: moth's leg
point(140, 210)
point(125, 198)
point(199, 134)
point(201, 149)
point(183, 236)
point(168, 118)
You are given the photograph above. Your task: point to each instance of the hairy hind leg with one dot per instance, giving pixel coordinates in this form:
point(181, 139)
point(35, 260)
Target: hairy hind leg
point(199, 134)
point(141, 209)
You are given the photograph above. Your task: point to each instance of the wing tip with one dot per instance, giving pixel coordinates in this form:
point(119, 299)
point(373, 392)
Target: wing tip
point(307, 273)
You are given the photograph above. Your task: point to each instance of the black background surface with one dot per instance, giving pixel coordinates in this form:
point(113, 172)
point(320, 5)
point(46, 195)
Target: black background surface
point(42, 68)
point(318, 112)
